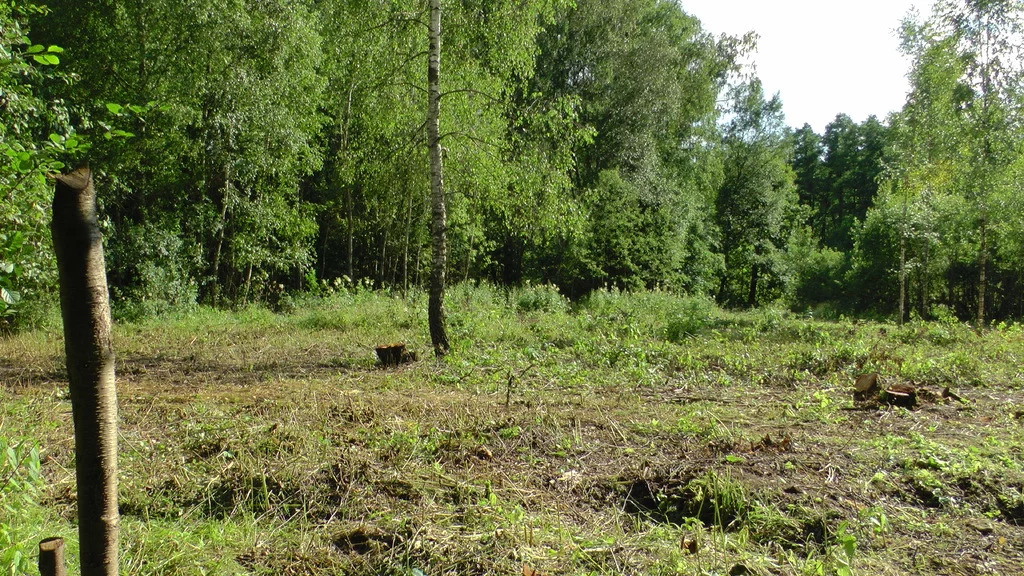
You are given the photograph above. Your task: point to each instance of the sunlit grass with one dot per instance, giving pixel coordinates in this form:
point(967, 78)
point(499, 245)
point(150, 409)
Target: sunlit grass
point(579, 438)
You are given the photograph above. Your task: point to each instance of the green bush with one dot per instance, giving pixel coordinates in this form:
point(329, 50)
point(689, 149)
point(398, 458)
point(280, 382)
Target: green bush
point(151, 272)
point(541, 298)
point(692, 317)
point(815, 274)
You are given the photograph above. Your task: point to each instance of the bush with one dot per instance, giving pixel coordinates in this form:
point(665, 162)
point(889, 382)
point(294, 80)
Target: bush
point(815, 275)
point(151, 272)
point(542, 298)
point(693, 316)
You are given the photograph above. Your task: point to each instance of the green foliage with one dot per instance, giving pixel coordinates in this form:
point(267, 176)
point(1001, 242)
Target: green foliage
point(19, 487)
point(647, 77)
point(150, 267)
point(756, 203)
point(543, 298)
point(598, 144)
point(692, 317)
point(814, 275)
point(35, 139)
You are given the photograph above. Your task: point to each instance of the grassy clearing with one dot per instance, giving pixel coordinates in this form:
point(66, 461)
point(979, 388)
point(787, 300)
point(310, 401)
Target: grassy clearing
point(627, 434)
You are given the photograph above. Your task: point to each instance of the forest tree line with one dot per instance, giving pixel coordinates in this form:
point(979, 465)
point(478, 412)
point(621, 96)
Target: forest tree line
point(251, 148)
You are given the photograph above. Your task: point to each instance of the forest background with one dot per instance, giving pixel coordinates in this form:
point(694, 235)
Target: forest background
point(252, 150)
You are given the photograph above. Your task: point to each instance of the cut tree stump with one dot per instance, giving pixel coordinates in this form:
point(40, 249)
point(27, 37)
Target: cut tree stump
point(902, 395)
point(866, 386)
point(51, 557)
point(389, 355)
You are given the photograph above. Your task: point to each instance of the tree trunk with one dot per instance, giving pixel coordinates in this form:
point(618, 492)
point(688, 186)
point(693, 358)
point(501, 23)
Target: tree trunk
point(382, 270)
point(469, 259)
point(982, 261)
point(903, 257)
point(752, 294)
point(85, 310)
point(925, 281)
point(438, 224)
point(405, 244)
point(350, 232)
point(419, 263)
point(222, 224)
point(903, 277)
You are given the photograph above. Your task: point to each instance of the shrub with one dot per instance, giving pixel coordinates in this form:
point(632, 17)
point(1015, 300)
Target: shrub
point(692, 317)
point(541, 298)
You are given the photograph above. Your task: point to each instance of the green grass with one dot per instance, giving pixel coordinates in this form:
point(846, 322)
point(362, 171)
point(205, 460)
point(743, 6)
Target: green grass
point(578, 438)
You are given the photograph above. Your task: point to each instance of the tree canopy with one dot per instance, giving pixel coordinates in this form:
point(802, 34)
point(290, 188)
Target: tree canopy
point(250, 150)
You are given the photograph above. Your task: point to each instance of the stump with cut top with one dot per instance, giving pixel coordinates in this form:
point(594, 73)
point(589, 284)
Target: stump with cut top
point(389, 355)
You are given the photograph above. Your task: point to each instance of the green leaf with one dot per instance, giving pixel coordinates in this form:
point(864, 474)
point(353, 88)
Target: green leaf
point(46, 59)
point(35, 49)
point(849, 543)
point(55, 138)
point(114, 108)
point(10, 298)
point(54, 49)
point(6, 267)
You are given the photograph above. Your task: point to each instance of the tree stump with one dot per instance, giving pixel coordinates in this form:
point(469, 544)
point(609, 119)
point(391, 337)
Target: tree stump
point(866, 387)
point(903, 395)
point(51, 557)
point(390, 355)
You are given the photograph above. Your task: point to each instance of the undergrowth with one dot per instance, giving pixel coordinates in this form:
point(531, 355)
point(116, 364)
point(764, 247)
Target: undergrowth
point(626, 433)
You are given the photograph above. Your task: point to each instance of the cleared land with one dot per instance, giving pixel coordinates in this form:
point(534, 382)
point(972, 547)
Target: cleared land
point(628, 434)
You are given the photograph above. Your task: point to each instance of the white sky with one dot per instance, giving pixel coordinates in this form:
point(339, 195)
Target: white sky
point(822, 56)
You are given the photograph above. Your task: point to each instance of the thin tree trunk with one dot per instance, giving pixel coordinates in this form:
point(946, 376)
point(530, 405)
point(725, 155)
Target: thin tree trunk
point(419, 263)
point(752, 294)
point(383, 269)
point(405, 245)
point(438, 224)
point(469, 259)
point(222, 223)
point(85, 310)
point(348, 187)
point(325, 233)
point(925, 283)
point(248, 282)
point(982, 261)
point(351, 233)
point(903, 276)
point(903, 256)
